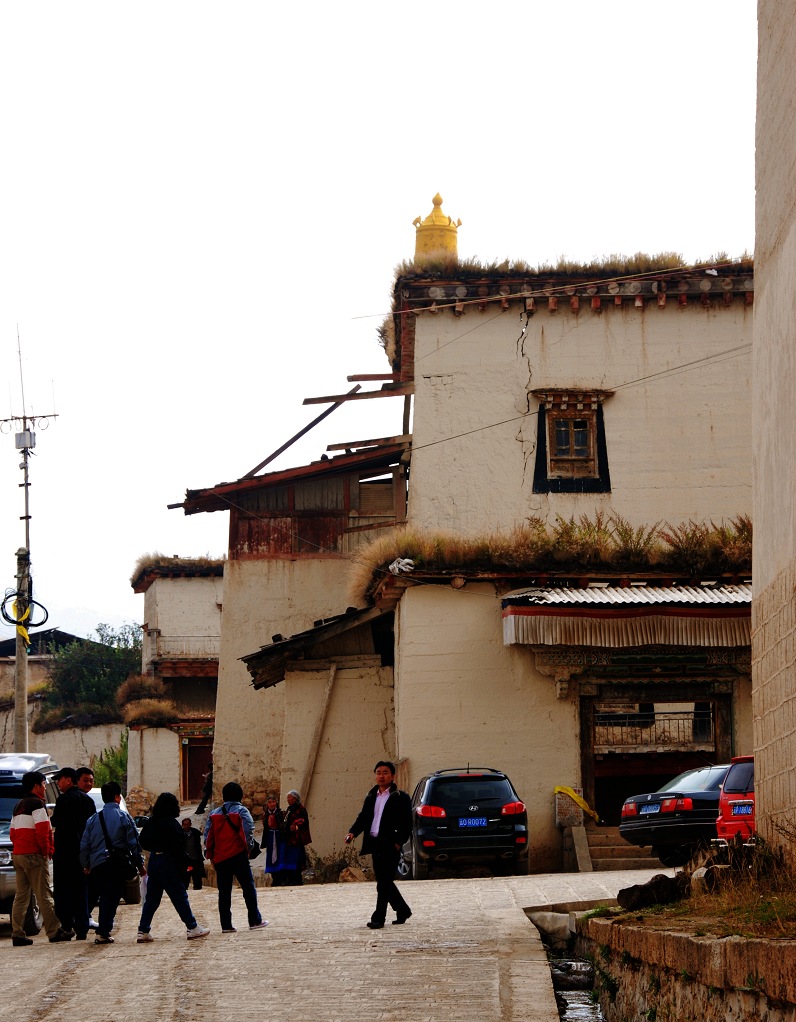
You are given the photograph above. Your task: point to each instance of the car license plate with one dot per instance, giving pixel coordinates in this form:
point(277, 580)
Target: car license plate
point(472, 821)
point(741, 810)
point(653, 807)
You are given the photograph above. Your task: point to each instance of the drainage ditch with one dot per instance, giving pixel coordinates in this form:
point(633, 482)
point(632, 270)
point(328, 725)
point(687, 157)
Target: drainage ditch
point(573, 983)
point(573, 978)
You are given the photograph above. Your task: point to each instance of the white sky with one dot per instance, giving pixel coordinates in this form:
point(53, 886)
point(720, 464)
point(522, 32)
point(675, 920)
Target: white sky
point(200, 202)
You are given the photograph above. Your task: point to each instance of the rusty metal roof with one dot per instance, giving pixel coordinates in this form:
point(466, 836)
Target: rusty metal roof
point(212, 498)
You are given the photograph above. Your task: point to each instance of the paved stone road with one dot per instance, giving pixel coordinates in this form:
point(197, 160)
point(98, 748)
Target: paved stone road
point(468, 953)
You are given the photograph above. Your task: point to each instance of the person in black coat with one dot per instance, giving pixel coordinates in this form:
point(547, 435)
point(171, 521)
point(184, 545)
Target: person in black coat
point(73, 808)
point(386, 822)
point(164, 838)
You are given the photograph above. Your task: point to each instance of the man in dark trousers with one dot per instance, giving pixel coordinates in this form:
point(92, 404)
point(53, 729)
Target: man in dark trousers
point(207, 789)
point(72, 810)
point(386, 822)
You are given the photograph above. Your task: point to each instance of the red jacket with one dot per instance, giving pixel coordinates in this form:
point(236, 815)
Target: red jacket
point(31, 833)
point(228, 835)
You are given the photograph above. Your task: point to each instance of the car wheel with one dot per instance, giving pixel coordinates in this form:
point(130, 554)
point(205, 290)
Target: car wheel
point(404, 868)
point(33, 918)
point(522, 865)
point(420, 869)
point(678, 855)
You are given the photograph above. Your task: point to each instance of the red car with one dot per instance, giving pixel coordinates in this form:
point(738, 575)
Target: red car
point(737, 800)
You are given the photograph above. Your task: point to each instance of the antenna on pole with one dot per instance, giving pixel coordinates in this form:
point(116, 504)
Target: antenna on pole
point(20, 600)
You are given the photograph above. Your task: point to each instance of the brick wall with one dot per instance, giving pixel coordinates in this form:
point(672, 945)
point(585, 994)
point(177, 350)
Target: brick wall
point(774, 707)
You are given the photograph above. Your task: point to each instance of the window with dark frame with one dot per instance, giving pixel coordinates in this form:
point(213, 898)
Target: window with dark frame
point(570, 443)
point(571, 454)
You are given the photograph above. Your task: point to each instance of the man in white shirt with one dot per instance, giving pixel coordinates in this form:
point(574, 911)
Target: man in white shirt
point(386, 822)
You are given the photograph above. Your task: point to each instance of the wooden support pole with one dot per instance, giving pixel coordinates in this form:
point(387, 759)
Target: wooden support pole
point(317, 735)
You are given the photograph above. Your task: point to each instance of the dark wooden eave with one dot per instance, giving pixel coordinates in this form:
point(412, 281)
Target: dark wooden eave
point(220, 497)
point(268, 665)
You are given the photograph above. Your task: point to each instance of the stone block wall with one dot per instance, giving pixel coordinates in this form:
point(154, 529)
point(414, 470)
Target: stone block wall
point(674, 977)
point(774, 424)
point(774, 702)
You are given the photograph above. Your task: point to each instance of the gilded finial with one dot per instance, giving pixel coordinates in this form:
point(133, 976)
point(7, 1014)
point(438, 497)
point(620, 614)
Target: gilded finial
point(436, 236)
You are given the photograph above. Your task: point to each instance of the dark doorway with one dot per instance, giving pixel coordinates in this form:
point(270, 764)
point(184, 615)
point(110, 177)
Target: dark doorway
point(634, 738)
point(196, 754)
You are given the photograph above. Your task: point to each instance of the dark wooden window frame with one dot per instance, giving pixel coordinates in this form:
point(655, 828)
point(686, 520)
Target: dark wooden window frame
point(593, 476)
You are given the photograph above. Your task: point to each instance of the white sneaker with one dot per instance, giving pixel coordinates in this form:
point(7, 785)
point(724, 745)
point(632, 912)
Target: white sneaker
point(259, 926)
point(144, 938)
point(198, 931)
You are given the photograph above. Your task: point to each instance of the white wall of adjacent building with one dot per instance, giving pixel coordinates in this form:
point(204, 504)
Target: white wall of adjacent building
point(677, 428)
point(774, 605)
point(465, 698)
point(263, 598)
point(182, 617)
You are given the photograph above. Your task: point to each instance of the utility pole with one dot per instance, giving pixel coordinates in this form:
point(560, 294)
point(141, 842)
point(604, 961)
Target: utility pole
point(21, 613)
point(21, 602)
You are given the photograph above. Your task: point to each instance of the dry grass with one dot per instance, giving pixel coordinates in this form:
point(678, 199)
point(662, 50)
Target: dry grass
point(158, 560)
point(154, 712)
point(578, 545)
point(60, 718)
point(615, 264)
point(755, 898)
point(140, 686)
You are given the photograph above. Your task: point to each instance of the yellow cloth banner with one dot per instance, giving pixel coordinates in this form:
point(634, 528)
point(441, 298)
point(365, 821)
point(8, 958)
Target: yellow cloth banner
point(578, 799)
point(20, 629)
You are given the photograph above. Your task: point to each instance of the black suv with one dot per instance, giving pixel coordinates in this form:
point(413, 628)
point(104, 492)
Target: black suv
point(12, 766)
point(466, 815)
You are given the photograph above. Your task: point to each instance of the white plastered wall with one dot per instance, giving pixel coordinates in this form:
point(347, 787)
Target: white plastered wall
point(774, 604)
point(261, 599)
point(187, 607)
point(678, 444)
point(358, 732)
point(153, 759)
point(462, 697)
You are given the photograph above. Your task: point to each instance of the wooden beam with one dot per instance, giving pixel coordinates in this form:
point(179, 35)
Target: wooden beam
point(298, 435)
point(367, 377)
point(373, 525)
point(404, 438)
point(315, 744)
point(343, 663)
point(400, 391)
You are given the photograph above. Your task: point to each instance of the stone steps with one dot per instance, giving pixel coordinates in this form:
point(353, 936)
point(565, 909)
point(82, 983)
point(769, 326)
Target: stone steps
point(611, 852)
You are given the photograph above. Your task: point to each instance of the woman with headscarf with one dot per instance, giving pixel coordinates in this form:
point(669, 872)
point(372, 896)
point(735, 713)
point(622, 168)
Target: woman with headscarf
point(297, 836)
point(273, 842)
point(163, 837)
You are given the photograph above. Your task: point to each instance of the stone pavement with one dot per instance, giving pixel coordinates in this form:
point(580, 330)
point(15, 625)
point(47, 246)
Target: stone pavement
point(468, 953)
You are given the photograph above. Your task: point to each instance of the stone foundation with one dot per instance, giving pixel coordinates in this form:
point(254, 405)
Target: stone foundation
point(662, 976)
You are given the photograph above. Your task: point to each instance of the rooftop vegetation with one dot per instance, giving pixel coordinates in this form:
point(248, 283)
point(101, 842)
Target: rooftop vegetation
point(85, 676)
point(615, 264)
point(577, 546)
point(175, 563)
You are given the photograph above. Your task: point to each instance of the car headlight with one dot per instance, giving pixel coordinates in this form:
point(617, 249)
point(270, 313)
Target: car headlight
point(5, 856)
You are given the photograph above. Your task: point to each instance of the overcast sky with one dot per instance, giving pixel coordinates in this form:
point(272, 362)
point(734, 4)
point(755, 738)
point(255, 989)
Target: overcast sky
point(203, 206)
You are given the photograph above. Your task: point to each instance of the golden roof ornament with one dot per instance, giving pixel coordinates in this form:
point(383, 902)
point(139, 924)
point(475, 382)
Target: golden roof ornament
point(436, 236)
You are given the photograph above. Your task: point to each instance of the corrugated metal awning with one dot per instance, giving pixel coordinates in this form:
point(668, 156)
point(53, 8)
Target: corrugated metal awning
point(631, 616)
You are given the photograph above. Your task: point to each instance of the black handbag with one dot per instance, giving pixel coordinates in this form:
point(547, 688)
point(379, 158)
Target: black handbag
point(121, 859)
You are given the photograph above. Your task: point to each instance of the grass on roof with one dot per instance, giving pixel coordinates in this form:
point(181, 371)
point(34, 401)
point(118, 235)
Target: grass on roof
point(615, 264)
point(579, 546)
point(158, 560)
